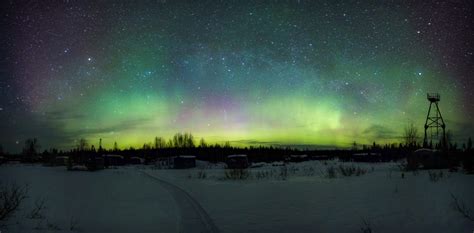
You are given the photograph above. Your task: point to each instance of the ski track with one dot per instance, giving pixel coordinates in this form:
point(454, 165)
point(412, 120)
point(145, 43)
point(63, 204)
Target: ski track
point(193, 218)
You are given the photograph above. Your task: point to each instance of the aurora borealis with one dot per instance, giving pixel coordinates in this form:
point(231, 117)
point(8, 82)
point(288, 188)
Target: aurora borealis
point(319, 73)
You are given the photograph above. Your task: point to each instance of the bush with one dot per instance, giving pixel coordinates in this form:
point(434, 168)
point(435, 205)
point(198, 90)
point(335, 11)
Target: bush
point(351, 170)
point(366, 227)
point(11, 197)
point(236, 174)
point(435, 176)
point(460, 207)
point(331, 172)
point(202, 174)
point(283, 172)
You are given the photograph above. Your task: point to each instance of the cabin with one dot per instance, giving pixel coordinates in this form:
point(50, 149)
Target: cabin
point(237, 162)
point(428, 159)
point(113, 160)
point(136, 160)
point(369, 157)
point(184, 161)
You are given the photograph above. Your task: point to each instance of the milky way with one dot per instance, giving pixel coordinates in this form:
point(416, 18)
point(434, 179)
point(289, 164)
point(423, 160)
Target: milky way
point(275, 73)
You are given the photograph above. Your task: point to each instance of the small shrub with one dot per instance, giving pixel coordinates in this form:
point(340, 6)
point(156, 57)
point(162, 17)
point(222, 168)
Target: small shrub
point(52, 226)
point(351, 170)
point(283, 172)
point(366, 227)
point(435, 176)
point(72, 224)
point(236, 174)
point(11, 196)
point(36, 212)
point(331, 172)
point(202, 174)
point(460, 207)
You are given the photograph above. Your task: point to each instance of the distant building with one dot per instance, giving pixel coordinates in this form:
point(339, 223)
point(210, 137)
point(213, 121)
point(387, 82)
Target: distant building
point(113, 160)
point(136, 160)
point(428, 159)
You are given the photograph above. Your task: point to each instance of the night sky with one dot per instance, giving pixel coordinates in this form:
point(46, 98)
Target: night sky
point(302, 73)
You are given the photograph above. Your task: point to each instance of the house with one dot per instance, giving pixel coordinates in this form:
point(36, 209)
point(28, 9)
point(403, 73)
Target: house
point(184, 161)
point(113, 160)
point(428, 159)
point(136, 160)
point(237, 161)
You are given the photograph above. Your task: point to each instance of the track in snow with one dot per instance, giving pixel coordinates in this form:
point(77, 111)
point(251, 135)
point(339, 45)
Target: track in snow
point(193, 218)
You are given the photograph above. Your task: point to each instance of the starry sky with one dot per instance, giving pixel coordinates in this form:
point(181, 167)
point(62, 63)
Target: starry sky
point(301, 73)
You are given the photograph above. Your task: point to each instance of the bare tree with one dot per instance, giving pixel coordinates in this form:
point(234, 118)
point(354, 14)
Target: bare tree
point(410, 135)
point(82, 144)
point(202, 143)
point(159, 143)
point(31, 146)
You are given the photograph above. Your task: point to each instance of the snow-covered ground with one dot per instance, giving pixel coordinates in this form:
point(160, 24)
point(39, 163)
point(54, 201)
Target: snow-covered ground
point(114, 200)
point(297, 197)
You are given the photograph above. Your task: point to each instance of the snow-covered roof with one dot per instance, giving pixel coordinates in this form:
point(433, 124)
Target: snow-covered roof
point(187, 156)
point(237, 156)
point(366, 154)
point(425, 150)
point(298, 156)
point(113, 156)
point(62, 157)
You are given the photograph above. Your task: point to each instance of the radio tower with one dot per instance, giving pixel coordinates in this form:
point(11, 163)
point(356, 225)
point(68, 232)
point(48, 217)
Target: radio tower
point(434, 121)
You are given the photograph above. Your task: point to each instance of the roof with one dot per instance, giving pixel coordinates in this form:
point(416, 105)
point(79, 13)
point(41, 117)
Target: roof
point(237, 156)
point(113, 156)
point(187, 156)
point(298, 156)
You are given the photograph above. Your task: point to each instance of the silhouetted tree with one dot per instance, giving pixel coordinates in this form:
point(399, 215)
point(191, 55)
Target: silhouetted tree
point(185, 140)
point(202, 143)
point(469, 144)
point(31, 146)
point(354, 145)
point(101, 149)
point(410, 136)
point(115, 147)
point(160, 143)
point(82, 145)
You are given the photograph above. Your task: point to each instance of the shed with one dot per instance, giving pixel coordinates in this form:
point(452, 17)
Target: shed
point(428, 158)
point(184, 161)
point(136, 160)
point(237, 161)
point(113, 160)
